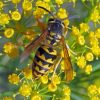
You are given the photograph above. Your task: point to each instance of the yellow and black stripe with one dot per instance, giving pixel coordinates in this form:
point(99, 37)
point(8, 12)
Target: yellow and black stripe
point(44, 59)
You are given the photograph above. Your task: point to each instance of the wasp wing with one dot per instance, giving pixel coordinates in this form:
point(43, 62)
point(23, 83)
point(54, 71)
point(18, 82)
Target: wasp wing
point(34, 44)
point(67, 61)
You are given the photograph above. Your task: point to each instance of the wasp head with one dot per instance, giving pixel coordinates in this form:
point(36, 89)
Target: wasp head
point(55, 26)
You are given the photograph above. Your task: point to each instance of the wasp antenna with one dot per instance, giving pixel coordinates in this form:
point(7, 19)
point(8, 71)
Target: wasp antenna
point(47, 11)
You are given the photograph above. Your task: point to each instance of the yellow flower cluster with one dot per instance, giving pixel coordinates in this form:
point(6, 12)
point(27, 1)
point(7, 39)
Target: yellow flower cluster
point(25, 90)
point(54, 81)
point(94, 42)
point(27, 5)
point(95, 15)
point(94, 92)
point(67, 93)
point(62, 13)
point(38, 13)
point(4, 19)
point(10, 49)
point(14, 79)
point(9, 32)
point(84, 27)
point(27, 72)
point(75, 31)
point(59, 2)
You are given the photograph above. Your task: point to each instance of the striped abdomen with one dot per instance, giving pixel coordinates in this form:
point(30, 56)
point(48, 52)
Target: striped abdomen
point(43, 60)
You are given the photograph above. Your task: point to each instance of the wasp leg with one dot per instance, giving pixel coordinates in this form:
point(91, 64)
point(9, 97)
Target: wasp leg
point(56, 65)
point(71, 51)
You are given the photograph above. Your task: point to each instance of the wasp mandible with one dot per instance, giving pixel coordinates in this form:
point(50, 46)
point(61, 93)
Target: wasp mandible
point(47, 54)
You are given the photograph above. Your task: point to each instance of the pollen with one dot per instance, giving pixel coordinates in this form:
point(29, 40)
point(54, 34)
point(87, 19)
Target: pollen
point(25, 90)
point(16, 15)
point(14, 79)
point(9, 32)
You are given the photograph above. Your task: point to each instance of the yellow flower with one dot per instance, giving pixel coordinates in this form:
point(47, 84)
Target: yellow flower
point(92, 89)
point(52, 87)
point(66, 23)
point(94, 41)
point(16, 1)
point(67, 91)
point(99, 90)
point(75, 30)
point(7, 98)
point(91, 34)
point(96, 50)
point(11, 49)
point(8, 47)
point(25, 90)
point(88, 69)
point(89, 56)
point(1, 4)
point(66, 98)
point(4, 19)
point(36, 97)
point(84, 27)
point(27, 5)
point(97, 33)
point(16, 15)
point(81, 40)
point(95, 15)
point(81, 62)
point(27, 72)
point(59, 2)
point(56, 79)
point(44, 79)
point(62, 13)
point(14, 78)
point(9, 32)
